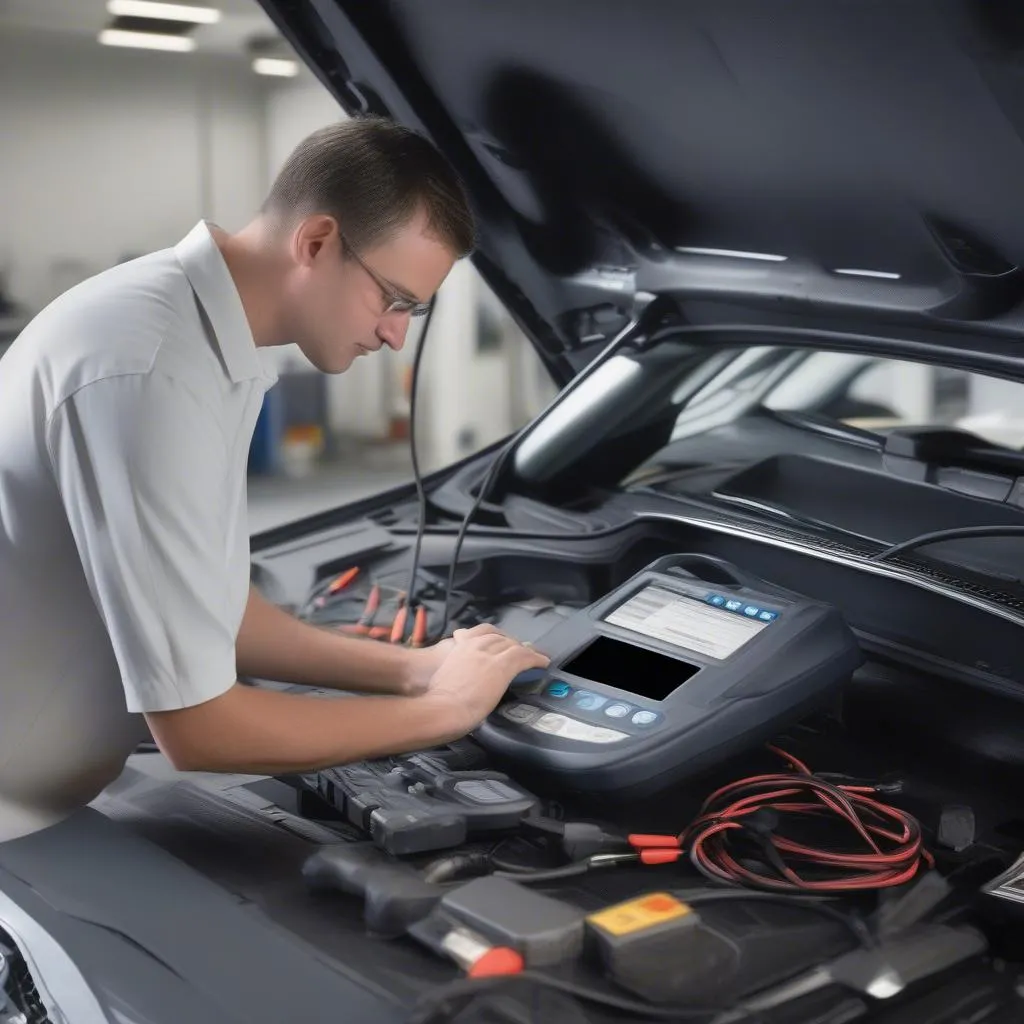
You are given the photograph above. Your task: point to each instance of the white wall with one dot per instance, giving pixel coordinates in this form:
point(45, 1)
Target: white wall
point(295, 108)
point(359, 401)
point(110, 152)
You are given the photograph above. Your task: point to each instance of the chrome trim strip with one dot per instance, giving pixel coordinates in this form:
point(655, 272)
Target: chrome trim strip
point(62, 989)
point(735, 254)
point(782, 513)
point(850, 561)
point(885, 275)
point(757, 506)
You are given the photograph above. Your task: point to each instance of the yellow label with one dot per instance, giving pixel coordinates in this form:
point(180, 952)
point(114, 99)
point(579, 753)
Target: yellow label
point(637, 915)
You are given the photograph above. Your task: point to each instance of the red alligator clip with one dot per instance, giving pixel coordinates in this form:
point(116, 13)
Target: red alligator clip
point(338, 583)
point(364, 626)
point(652, 849)
point(342, 581)
point(419, 629)
point(398, 625)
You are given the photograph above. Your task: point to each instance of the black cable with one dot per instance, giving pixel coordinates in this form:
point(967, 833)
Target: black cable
point(421, 494)
point(435, 1007)
point(485, 486)
point(573, 870)
point(817, 904)
point(853, 924)
point(512, 868)
point(456, 867)
point(952, 534)
point(626, 335)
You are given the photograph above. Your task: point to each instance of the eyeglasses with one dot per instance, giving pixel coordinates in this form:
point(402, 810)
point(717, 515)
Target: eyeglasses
point(394, 300)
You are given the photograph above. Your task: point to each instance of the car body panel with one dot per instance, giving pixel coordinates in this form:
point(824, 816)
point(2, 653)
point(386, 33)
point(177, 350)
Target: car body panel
point(151, 939)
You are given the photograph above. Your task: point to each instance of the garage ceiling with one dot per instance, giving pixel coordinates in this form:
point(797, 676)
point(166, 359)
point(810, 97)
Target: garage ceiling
point(242, 19)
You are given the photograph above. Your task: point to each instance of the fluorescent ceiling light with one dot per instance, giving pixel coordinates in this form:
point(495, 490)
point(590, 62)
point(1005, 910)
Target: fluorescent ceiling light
point(165, 12)
point(767, 257)
point(275, 66)
point(146, 40)
point(883, 274)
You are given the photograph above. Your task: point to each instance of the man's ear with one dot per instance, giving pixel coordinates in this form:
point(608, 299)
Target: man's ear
point(312, 237)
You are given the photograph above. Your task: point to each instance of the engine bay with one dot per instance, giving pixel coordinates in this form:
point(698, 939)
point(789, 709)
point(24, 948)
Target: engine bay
point(879, 812)
point(689, 660)
point(804, 806)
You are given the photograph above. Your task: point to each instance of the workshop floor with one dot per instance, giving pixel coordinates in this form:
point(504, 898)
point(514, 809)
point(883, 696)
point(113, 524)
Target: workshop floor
point(276, 500)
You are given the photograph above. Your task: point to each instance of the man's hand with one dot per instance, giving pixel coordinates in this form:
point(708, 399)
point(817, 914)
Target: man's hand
point(421, 665)
point(480, 664)
point(274, 645)
point(252, 730)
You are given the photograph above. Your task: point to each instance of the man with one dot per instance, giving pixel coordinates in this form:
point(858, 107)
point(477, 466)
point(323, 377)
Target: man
point(126, 413)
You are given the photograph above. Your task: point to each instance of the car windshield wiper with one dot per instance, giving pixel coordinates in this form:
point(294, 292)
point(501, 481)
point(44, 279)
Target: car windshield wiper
point(790, 517)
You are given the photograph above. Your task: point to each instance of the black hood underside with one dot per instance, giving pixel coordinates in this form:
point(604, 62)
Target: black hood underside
point(852, 165)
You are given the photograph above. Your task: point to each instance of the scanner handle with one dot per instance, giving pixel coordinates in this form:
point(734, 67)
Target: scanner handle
point(709, 569)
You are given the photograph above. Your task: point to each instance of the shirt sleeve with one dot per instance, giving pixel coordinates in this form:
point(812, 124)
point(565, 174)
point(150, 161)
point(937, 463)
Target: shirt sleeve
point(141, 465)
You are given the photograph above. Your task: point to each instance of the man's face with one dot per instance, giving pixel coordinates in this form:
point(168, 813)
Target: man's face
point(339, 301)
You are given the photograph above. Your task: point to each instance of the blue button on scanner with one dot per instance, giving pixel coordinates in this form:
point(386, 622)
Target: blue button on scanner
point(559, 689)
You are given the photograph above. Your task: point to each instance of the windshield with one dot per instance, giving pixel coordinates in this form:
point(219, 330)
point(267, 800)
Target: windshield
point(864, 447)
point(871, 393)
point(690, 419)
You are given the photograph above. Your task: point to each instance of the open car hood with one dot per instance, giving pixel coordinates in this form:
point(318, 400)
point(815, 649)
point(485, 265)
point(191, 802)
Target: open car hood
point(849, 166)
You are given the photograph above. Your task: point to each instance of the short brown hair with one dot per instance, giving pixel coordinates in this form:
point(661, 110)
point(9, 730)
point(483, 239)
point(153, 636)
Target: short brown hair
point(373, 175)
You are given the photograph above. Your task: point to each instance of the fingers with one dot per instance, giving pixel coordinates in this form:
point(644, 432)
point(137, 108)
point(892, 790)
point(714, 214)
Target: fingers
point(490, 640)
point(521, 658)
point(484, 637)
point(497, 644)
point(482, 630)
point(494, 643)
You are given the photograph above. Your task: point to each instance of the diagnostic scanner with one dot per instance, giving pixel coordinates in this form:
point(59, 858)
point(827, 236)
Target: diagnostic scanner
point(685, 664)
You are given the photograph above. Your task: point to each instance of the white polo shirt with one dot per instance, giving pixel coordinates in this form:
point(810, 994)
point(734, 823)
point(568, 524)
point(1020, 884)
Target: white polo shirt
point(126, 413)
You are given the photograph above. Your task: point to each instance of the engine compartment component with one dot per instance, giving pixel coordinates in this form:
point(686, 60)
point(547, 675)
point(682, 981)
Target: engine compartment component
point(542, 930)
point(378, 606)
point(394, 894)
point(425, 801)
point(694, 947)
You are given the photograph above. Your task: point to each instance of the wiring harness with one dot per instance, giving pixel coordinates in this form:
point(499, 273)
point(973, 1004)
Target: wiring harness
point(749, 834)
point(361, 604)
point(887, 846)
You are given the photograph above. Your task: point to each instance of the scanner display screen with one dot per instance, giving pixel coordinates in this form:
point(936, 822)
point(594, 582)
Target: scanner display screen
point(636, 670)
point(686, 622)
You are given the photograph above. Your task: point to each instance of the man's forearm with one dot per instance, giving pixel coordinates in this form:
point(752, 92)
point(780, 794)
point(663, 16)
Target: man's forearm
point(272, 644)
point(264, 732)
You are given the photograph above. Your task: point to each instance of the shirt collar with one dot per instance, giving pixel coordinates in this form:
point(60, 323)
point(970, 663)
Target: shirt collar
point(215, 289)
